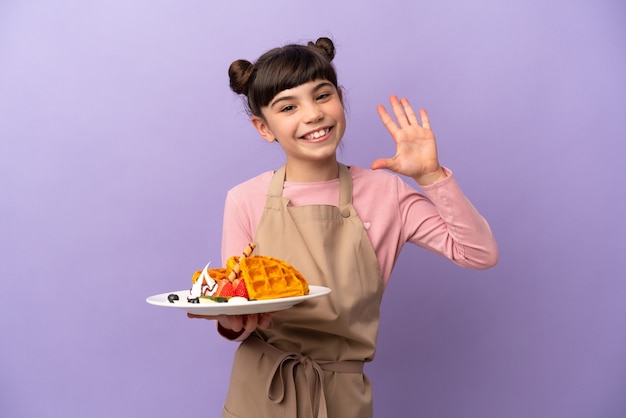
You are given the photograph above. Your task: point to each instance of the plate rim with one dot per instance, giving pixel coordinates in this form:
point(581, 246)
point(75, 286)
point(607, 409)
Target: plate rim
point(244, 308)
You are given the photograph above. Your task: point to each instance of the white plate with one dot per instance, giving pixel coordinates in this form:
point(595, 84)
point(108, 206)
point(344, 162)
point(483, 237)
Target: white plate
point(232, 307)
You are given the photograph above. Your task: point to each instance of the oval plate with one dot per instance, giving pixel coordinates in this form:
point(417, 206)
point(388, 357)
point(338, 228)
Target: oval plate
point(235, 307)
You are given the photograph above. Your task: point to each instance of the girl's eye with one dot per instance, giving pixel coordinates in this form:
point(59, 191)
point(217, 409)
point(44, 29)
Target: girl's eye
point(288, 108)
point(323, 96)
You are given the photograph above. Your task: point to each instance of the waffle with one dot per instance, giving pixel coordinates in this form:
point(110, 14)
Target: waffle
point(217, 274)
point(269, 278)
point(264, 278)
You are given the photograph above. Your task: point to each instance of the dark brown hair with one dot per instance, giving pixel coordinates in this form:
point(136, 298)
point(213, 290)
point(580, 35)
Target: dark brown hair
point(282, 68)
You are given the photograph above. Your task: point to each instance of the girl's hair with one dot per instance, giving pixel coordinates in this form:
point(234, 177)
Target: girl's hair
point(282, 68)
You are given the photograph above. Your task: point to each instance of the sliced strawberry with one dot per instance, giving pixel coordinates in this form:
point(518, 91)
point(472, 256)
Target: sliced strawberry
point(240, 288)
point(220, 285)
point(225, 289)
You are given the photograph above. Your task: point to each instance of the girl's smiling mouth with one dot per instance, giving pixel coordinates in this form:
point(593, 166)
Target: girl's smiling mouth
point(318, 135)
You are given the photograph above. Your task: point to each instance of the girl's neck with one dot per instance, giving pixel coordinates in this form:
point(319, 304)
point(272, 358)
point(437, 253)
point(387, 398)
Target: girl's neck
point(302, 172)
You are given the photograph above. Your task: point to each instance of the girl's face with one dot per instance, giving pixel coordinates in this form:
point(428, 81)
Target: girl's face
point(308, 121)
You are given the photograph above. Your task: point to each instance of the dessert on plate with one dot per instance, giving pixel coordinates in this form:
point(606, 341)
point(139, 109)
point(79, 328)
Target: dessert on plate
point(248, 277)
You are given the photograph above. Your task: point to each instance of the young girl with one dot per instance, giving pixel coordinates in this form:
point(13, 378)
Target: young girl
point(341, 227)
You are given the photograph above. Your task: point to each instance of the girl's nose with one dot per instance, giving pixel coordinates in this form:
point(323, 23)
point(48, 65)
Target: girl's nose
point(313, 113)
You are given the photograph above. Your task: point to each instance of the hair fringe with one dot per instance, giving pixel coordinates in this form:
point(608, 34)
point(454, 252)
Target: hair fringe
point(282, 68)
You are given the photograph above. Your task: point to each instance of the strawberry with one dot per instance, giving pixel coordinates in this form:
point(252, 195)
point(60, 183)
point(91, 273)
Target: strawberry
point(224, 288)
point(240, 288)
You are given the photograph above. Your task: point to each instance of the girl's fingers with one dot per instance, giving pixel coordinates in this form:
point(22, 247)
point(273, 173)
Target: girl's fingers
point(194, 316)
point(404, 115)
point(386, 119)
point(238, 322)
point(264, 320)
point(410, 114)
point(381, 163)
point(399, 111)
point(254, 321)
point(424, 118)
point(234, 322)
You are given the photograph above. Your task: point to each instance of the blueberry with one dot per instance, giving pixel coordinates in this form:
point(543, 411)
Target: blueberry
point(172, 297)
point(193, 300)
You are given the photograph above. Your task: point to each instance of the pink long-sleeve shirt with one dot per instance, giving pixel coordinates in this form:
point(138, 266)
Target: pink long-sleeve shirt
point(440, 219)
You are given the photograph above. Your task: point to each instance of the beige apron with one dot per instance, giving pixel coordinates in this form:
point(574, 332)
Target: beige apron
point(309, 363)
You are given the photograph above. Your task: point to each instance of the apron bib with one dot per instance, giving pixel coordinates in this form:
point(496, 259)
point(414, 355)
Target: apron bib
point(309, 363)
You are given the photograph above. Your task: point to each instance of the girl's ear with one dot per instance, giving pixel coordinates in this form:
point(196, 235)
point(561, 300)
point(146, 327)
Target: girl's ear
point(264, 130)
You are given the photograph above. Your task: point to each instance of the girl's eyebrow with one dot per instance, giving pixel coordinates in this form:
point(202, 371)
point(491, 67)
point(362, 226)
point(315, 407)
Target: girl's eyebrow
point(319, 86)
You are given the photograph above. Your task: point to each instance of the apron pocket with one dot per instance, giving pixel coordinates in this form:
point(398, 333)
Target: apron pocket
point(247, 396)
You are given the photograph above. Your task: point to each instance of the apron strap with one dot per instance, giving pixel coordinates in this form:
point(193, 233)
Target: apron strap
point(276, 185)
point(281, 380)
point(345, 186)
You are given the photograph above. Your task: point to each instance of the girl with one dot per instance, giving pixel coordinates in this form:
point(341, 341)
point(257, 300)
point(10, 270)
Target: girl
point(342, 227)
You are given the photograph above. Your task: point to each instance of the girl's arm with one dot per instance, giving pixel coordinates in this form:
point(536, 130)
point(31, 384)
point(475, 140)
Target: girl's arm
point(454, 227)
point(448, 224)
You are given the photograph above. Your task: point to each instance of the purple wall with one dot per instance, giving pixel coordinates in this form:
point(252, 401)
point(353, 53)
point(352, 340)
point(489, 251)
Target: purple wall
point(119, 138)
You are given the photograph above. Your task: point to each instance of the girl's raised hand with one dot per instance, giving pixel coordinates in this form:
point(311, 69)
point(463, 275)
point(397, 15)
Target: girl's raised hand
point(416, 149)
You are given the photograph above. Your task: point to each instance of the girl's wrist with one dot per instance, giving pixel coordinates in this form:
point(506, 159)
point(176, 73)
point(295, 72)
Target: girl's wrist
point(431, 178)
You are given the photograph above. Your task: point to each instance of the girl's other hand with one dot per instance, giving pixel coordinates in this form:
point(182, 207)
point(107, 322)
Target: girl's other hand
point(239, 323)
point(416, 149)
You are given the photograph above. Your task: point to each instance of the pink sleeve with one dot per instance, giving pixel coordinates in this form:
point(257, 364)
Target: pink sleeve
point(451, 226)
point(236, 230)
point(242, 212)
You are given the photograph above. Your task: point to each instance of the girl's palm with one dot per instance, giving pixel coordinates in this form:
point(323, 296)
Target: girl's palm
point(416, 149)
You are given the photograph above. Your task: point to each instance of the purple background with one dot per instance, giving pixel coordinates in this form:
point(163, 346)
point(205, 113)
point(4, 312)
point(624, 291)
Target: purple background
point(119, 138)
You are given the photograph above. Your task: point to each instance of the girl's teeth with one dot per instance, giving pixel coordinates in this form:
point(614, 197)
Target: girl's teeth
point(317, 134)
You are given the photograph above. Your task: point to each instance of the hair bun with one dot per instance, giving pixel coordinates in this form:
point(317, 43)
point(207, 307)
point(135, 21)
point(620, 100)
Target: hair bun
point(239, 73)
point(326, 46)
